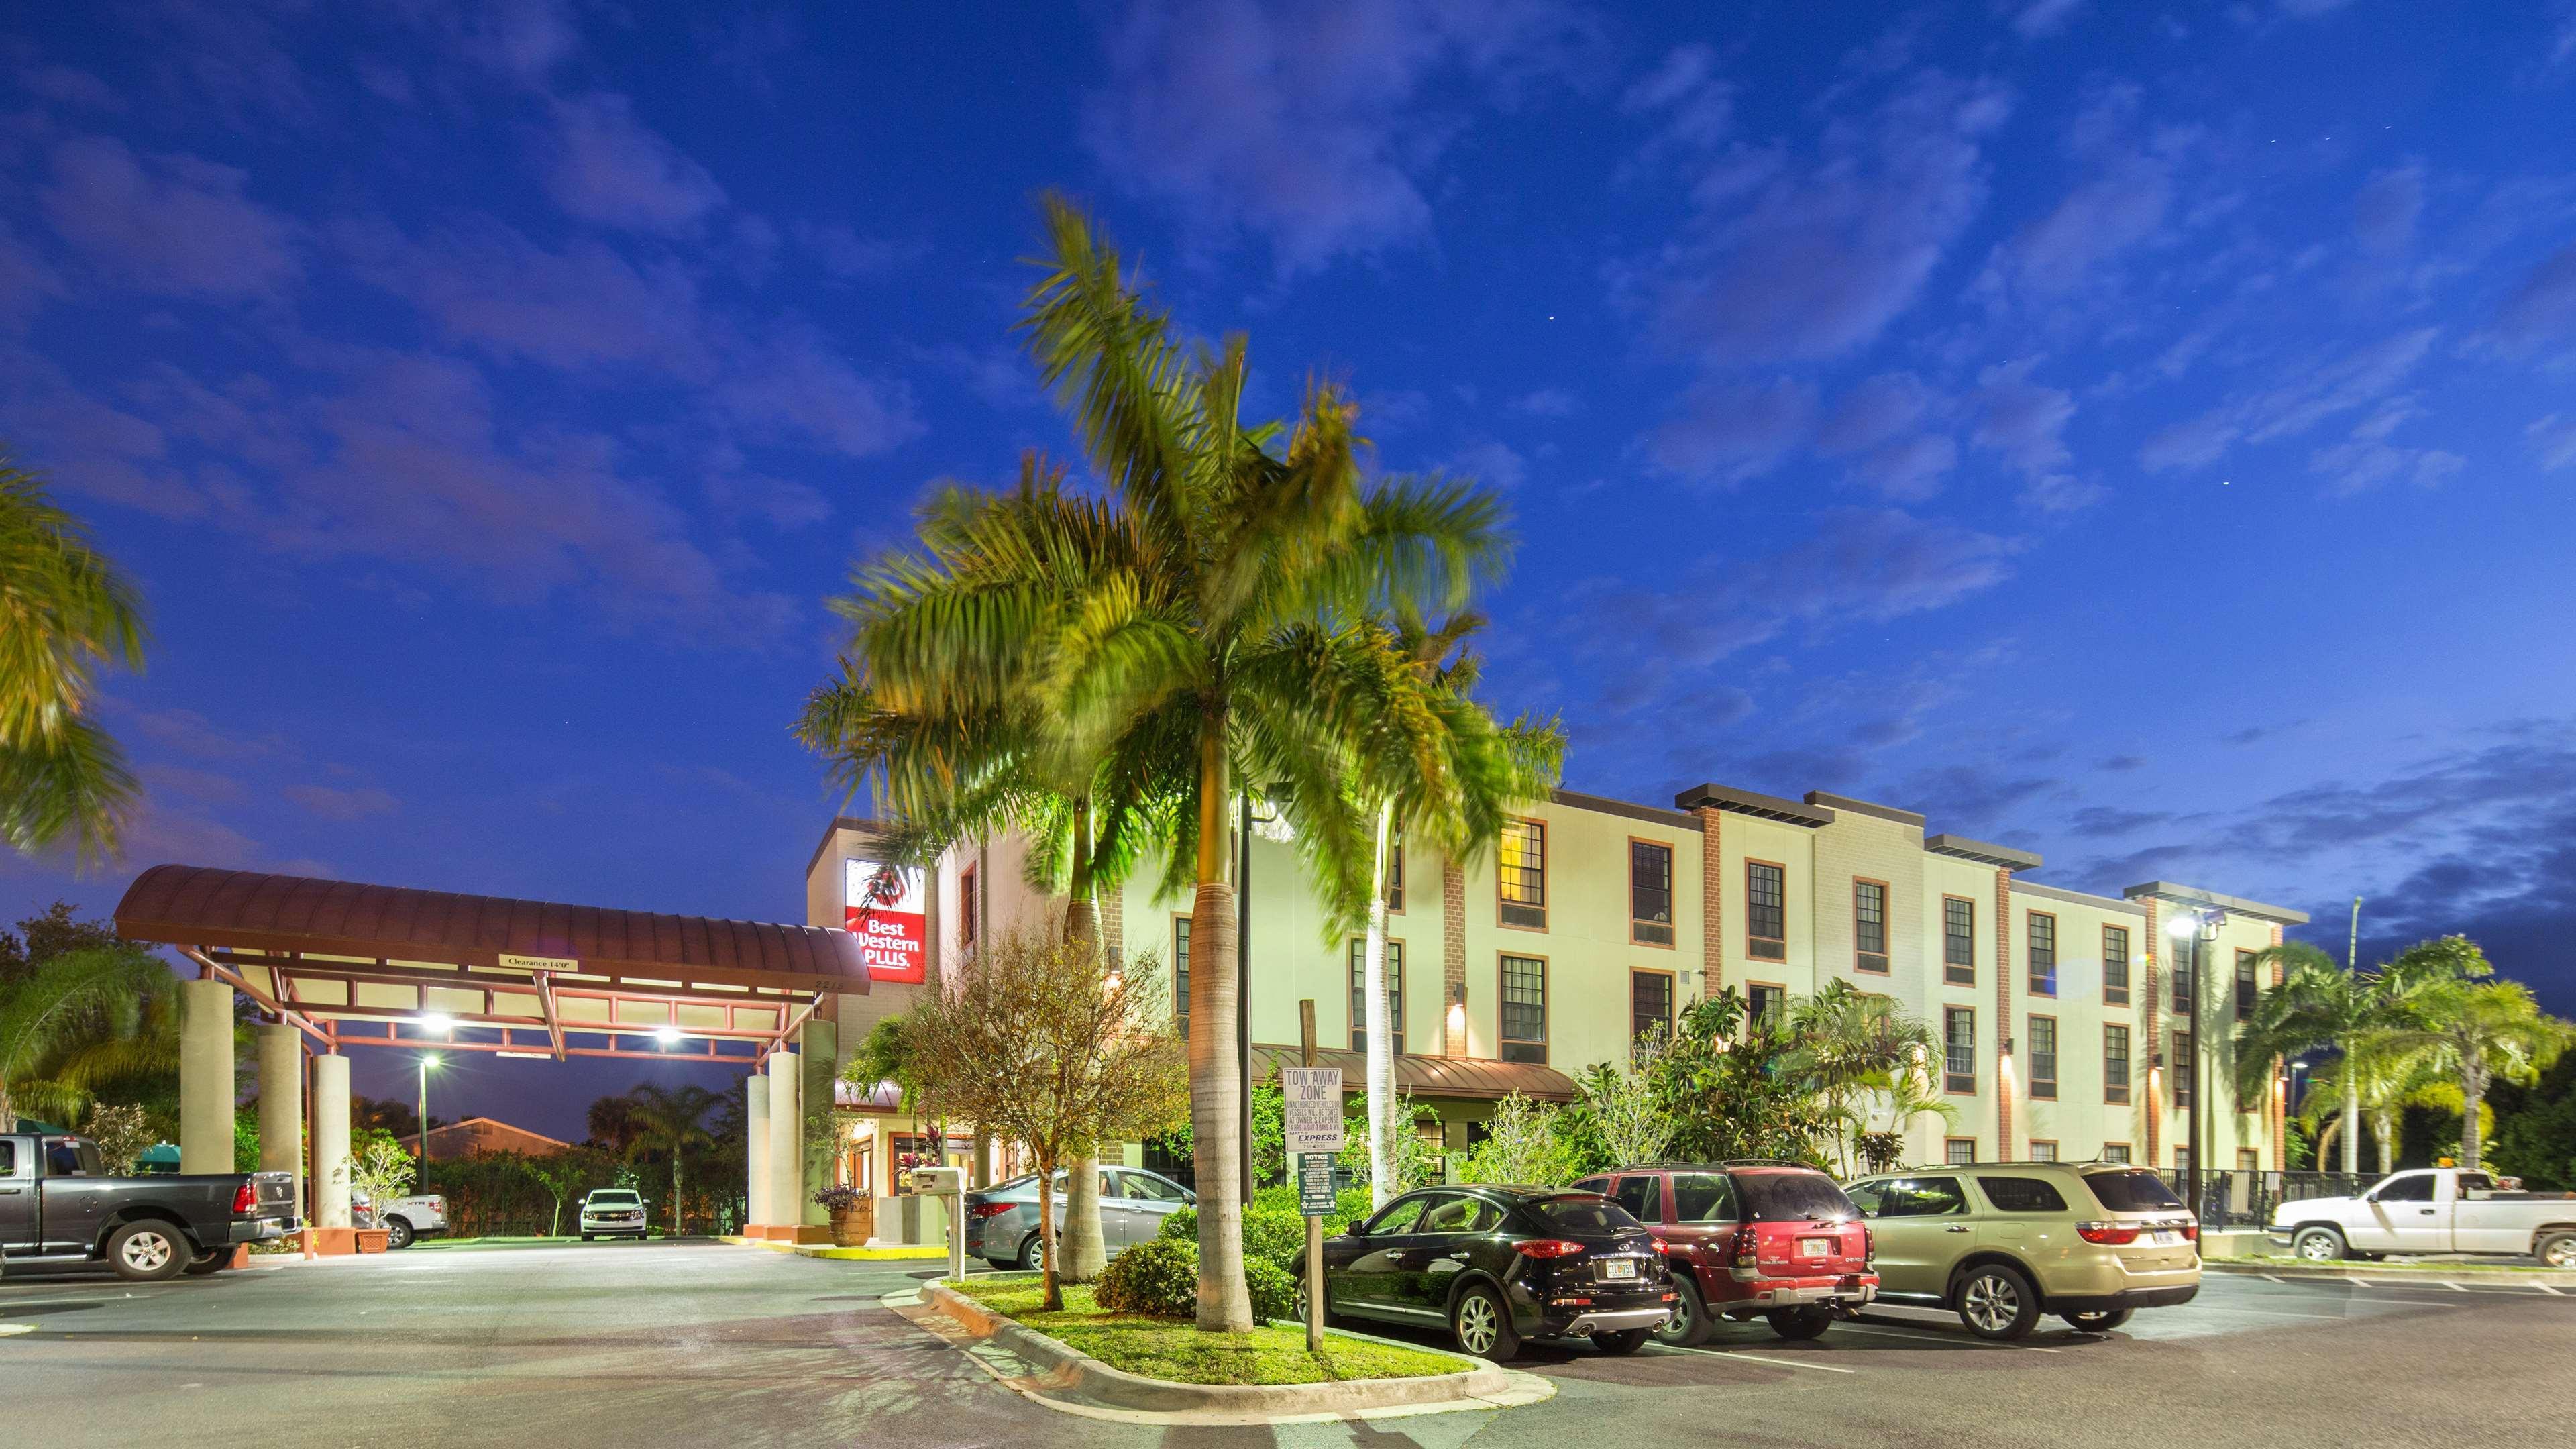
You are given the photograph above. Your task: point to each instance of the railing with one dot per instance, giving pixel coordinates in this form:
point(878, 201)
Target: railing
point(2244, 1198)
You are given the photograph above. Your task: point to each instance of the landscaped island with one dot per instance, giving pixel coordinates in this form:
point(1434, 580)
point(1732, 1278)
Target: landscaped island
point(1172, 1348)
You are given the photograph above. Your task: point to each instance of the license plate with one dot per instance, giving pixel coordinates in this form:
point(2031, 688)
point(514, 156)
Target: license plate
point(1815, 1247)
point(2165, 1238)
point(1618, 1268)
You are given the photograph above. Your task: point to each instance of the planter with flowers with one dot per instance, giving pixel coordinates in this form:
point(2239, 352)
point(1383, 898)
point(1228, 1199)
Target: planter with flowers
point(852, 1214)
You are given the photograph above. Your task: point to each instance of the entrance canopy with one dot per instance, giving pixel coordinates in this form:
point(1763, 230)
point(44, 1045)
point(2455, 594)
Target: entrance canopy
point(352, 964)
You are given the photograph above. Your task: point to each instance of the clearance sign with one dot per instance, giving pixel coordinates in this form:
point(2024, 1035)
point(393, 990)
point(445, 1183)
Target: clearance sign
point(881, 905)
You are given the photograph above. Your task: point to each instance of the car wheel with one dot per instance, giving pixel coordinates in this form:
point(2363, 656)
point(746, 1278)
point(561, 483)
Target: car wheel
point(2099, 1322)
point(1032, 1255)
point(1625, 1341)
point(1301, 1303)
point(1800, 1324)
point(398, 1234)
point(148, 1252)
point(211, 1263)
point(2557, 1250)
point(1998, 1303)
point(2318, 1245)
point(1482, 1324)
point(1689, 1325)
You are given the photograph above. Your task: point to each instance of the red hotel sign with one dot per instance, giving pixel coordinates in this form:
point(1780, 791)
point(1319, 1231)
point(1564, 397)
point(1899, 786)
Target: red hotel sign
point(881, 905)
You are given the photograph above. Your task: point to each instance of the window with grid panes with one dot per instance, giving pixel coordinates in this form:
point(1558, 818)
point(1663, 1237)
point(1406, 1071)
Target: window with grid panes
point(2043, 1151)
point(2115, 965)
point(1181, 973)
point(1959, 1151)
point(2115, 1152)
point(1959, 1049)
point(2042, 950)
point(1767, 1003)
point(1524, 1010)
point(2179, 1069)
point(1650, 893)
point(2245, 992)
point(1766, 911)
point(1395, 871)
point(2185, 950)
point(1520, 873)
point(1394, 994)
point(2115, 1064)
point(1958, 941)
point(1869, 926)
point(1650, 1005)
point(2043, 1056)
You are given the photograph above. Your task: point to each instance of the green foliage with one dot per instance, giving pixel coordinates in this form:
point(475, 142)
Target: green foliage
point(1525, 1142)
point(1411, 1160)
point(245, 1139)
point(1268, 1234)
point(1730, 1086)
point(2535, 1137)
point(82, 1024)
point(1274, 1293)
point(380, 1172)
point(71, 610)
point(1159, 1277)
point(122, 1133)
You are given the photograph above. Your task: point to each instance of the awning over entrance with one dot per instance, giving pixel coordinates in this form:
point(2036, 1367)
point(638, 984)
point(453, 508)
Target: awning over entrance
point(1465, 1077)
point(326, 955)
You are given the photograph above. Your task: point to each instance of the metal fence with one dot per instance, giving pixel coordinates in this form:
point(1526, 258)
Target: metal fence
point(2244, 1198)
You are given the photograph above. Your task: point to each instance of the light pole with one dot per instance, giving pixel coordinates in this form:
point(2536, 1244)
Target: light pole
point(2193, 930)
point(427, 1061)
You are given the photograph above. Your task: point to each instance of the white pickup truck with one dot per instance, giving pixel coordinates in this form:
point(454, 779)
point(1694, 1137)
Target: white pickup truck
point(2431, 1210)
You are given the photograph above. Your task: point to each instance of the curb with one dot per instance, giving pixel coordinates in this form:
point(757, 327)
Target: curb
point(1063, 1368)
point(898, 1254)
point(2434, 1275)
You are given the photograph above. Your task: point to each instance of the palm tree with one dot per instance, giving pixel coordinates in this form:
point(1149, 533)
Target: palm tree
point(1853, 1046)
point(2476, 1030)
point(613, 1123)
point(671, 1121)
point(65, 610)
point(2385, 1081)
point(2319, 1005)
point(72, 1023)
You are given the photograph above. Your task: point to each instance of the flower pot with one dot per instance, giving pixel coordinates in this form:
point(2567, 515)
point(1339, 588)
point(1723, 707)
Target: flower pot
point(846, 1232)
point(372, 1240)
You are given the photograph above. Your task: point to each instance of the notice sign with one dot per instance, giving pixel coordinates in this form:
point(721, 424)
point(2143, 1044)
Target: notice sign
point(881, 905)
point(1313, 1108)
point(1315, 1184)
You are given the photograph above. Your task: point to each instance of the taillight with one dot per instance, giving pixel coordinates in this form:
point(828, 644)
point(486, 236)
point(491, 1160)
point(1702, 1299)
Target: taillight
point(2191, 1232)
point(1549, 1248)
point(2115, 1234)
point(1663, 1247)
point(1745, 1245)
point(988, 1210)
point(1868, 1244)
point(245, 1198)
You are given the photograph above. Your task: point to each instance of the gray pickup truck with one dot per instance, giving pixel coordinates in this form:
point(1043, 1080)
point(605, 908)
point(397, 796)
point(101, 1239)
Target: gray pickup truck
point(58, 1207)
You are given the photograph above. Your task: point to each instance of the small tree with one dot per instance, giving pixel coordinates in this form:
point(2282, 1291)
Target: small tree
point(1038, 1042)
point(561, 1179)
point(1410, 1158)
point(1522, 1145)
point(122, 1133)
point(1630, 1127)
point(381, 1172)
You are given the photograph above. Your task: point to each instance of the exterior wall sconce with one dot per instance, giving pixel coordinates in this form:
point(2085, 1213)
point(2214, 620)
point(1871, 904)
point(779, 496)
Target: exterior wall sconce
point(1458, 1007)
point(2007, 1046)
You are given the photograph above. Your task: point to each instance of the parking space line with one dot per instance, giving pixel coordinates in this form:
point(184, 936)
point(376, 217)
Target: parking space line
point(2545, 1288)
point(1939, 1336)
point(1757, 1358)
point(2454, 1287)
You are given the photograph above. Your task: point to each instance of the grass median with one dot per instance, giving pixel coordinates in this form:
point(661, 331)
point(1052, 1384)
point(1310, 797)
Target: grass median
point(1170, 1348)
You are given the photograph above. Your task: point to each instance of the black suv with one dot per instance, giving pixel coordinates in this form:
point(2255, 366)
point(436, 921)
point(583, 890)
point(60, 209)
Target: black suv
point(1500, 1264)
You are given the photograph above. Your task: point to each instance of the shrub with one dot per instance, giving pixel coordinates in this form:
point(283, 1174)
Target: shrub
point(1278, 1197)
point(1181, 1223)
point(1159, 1278)
point(1276, 1238)
point(1274, 1293)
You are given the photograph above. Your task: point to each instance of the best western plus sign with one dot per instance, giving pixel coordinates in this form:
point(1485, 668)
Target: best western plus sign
point(881, 905)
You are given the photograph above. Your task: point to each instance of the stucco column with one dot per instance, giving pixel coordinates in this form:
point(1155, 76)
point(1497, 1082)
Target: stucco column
point(205, 1076)
point(786, 1144)
point(818, 1053)
point(755, 1096)
point(331, 1142)
point(281, 1100)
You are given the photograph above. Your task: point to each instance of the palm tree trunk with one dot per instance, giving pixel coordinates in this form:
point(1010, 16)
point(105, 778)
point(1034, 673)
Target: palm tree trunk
point(1216, 1078)
point(2386, 1123)
point(1381, 1042)
point(2473, 1092)
point(2351, 1112)
point(1085, 1249)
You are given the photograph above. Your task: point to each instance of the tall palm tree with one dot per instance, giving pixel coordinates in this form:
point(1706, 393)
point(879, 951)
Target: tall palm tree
point(2319, 1005)
point(1853, 1047)
point(72, 1022)
point(2477, 1030)
point(65, 610)
point(672, 1121)
point(2385, 1081)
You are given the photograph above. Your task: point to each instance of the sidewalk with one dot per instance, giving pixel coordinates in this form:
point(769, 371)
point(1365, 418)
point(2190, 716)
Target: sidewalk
point(871, 1253)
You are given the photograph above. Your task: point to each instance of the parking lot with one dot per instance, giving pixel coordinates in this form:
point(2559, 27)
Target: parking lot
point(693, 1343)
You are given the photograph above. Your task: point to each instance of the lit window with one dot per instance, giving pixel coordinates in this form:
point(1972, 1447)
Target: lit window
point(1650, 1005)
point(1520, 872)
point(2115, 965)
point(1181, 972)
point(2043, 1056)
point(2043, 954)
point(1959, 1049)
point(1766, 911)
point(1394, 994)
point(1524, 1013)
point(1650, 893)
point(2115, 1064)
point(1869, 926)
point(2181, 1069)
point(1958, 941)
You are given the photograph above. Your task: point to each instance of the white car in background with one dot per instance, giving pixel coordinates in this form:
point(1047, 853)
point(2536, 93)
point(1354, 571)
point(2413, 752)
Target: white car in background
point(613, 1212)
point(2434, 1210)
point(405, 1218)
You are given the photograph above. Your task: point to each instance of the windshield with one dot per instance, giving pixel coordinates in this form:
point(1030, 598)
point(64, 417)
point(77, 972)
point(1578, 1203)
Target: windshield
point(2138, 1191)
point(1777, 1197)
point(614, 1199)
point(1596, 1216)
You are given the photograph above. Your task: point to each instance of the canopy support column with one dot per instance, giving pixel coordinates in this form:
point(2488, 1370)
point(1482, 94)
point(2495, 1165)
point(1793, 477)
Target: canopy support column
point(755, 1211)
point(786, 1145)
point(331, 1141)
point(205, 1076)
point(281, 1101)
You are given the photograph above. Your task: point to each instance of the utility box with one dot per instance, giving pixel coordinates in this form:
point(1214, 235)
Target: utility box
point(938, 1180)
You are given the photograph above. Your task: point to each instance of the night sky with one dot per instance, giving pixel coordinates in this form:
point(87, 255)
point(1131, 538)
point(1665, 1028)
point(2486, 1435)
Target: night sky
point(2142, 434)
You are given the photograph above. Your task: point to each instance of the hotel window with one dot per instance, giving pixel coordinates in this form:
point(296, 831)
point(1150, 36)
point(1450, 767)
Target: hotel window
point(2115, 965)
point(2115, 1064)
point(2115, 1152)
point(2244, 984)
point(1524, 1015)
point(1766, 1003)
point(1521, 874)
point(1959, 1151)
point(2182, 1159)
point(1395, 871)
point(1958, 941)
point(1959, 1049)
point(2184, 951)
point(2178, 1068)
point(1181, 973)
point(2248, 1160)
point(2041, 1151)
point(966, 909)
point(2043, 953)
point(1650, 1006)
point(1766, 911)
point(1869, 926)
point(1650, 893)
point(2043, 1057)
point(1394, 994)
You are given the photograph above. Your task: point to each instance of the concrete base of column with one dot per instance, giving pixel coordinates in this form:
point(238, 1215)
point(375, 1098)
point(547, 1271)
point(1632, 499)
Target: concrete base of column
point(206, 1099)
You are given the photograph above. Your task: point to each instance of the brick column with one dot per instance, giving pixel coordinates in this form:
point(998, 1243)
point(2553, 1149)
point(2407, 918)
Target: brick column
point(2153, 1095)
point(2004, 1081)
point(1712, 902)
point(2280, 1106)
point(1111, 908)
point(1453, 954)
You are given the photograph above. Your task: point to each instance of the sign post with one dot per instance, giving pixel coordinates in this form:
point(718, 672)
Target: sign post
point(1313, 1119)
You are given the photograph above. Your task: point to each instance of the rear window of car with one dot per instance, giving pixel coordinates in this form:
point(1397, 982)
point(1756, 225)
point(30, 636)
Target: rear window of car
point(2022, 1195)
point(2131, 1192)
point(1778, 1197)
point(1582, 1215)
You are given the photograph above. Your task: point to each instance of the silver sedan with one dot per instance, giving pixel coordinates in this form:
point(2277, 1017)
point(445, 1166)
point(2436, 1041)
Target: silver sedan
point(1002, 1220)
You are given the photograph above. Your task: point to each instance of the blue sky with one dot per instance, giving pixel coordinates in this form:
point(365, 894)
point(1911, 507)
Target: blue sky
point(2141, 434)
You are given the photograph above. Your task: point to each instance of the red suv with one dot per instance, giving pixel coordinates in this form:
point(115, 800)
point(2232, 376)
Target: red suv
point(1773, 1239)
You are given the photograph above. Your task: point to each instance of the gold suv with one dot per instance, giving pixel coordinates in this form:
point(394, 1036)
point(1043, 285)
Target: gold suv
point(2004, 1242)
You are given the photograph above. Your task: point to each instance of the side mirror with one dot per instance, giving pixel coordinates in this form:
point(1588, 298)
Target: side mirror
point(1353, 1229)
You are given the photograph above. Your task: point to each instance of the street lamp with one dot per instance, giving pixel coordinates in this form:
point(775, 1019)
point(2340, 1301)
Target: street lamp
point(427, 1061)
point(2191, 931)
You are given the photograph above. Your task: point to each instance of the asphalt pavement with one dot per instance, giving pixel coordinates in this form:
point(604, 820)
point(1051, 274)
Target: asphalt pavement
point(702, 1344)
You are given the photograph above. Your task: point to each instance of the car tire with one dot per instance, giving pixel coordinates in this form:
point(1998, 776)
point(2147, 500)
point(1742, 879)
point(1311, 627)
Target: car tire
point(585, 1237)
point(2099, 1321)
point(1481, 1322)
point(2318, 1245)
point(1799, 1324)
point(1625, 1341)
point(148, 1252)
point(398, 1234)
point(1689, 1326)
point(2555, 1250)
point(208, 1264)
point(1032, 1255)
point(1996, 1302)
